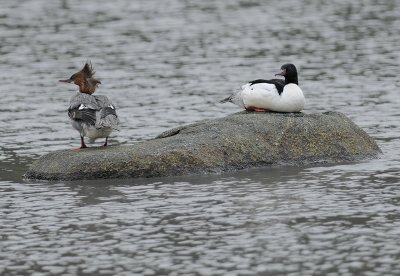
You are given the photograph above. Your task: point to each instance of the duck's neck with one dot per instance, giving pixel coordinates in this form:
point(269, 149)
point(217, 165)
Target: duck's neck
point(291, 79)
point(87, 87)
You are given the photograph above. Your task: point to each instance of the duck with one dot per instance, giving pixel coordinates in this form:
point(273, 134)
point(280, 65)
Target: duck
point(276, 95)
point(93, 116)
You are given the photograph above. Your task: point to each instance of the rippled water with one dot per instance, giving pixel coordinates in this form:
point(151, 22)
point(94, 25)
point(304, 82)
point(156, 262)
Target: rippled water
point(167, 63)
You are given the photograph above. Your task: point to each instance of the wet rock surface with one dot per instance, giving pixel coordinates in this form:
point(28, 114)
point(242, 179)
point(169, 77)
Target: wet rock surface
point(238, 141)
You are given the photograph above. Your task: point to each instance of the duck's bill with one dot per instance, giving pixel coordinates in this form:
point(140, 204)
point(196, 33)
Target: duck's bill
point(282, 73)
point(67, 81)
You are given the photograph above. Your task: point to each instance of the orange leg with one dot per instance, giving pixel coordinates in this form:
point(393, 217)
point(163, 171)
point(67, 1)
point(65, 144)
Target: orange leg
point(256, 109)
point(83, 145)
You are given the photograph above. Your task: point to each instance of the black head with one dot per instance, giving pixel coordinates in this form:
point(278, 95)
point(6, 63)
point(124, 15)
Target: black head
point(289, 71)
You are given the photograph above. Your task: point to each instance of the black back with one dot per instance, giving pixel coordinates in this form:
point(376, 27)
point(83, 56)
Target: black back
point(279, 83)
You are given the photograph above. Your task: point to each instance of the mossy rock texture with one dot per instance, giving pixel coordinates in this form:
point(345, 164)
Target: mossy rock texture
point(238, 141)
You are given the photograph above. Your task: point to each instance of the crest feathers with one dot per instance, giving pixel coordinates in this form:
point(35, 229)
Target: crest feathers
point(88, 70)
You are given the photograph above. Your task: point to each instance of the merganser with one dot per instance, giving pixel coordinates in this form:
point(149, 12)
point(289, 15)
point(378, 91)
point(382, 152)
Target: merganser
point(93, 116)
point(271, 95)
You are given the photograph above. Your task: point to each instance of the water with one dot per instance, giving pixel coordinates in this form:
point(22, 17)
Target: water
point(168, 63)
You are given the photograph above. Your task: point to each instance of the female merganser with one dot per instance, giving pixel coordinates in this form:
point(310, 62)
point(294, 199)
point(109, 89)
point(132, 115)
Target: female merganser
point(271, 95)
point(93, 116)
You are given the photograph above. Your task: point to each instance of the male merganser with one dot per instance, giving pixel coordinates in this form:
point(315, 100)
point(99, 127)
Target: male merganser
point(271, 95)
point(93, 116)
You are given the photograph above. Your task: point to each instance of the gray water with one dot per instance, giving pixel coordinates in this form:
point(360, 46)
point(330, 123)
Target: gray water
point(168, 63)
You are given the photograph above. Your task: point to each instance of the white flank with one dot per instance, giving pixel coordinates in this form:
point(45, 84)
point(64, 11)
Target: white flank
point(265, 95)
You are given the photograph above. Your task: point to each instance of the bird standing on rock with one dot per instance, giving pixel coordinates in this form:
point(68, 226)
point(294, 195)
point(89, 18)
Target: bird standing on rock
point(271, 95)
point(93, 116)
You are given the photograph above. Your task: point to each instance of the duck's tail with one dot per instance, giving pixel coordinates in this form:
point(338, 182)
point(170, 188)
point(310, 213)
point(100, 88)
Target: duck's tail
point(228, 99)
point(235, 98)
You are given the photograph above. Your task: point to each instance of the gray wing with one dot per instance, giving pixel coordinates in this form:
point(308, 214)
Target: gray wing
point(102, 101)
point(82, 114)
point(83, 109)
point(95, 110)
point(85, 99)
point(107, 116)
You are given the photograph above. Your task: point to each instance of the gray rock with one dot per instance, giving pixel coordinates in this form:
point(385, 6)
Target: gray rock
point(238, 141)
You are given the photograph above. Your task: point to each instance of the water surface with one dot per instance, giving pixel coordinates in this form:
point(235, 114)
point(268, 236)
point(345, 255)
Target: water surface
point(168, 63)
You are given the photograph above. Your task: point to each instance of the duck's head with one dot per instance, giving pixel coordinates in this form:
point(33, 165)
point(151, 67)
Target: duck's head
point(84, 79)
point(289, 71)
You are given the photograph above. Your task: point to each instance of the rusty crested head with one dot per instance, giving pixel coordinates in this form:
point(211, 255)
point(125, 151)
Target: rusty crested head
point(85, 79)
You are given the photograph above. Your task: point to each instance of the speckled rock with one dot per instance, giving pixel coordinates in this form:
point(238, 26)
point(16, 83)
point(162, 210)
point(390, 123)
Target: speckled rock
point(238, 141)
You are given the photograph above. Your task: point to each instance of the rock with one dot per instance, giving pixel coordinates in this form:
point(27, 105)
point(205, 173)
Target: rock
point(238, 141)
